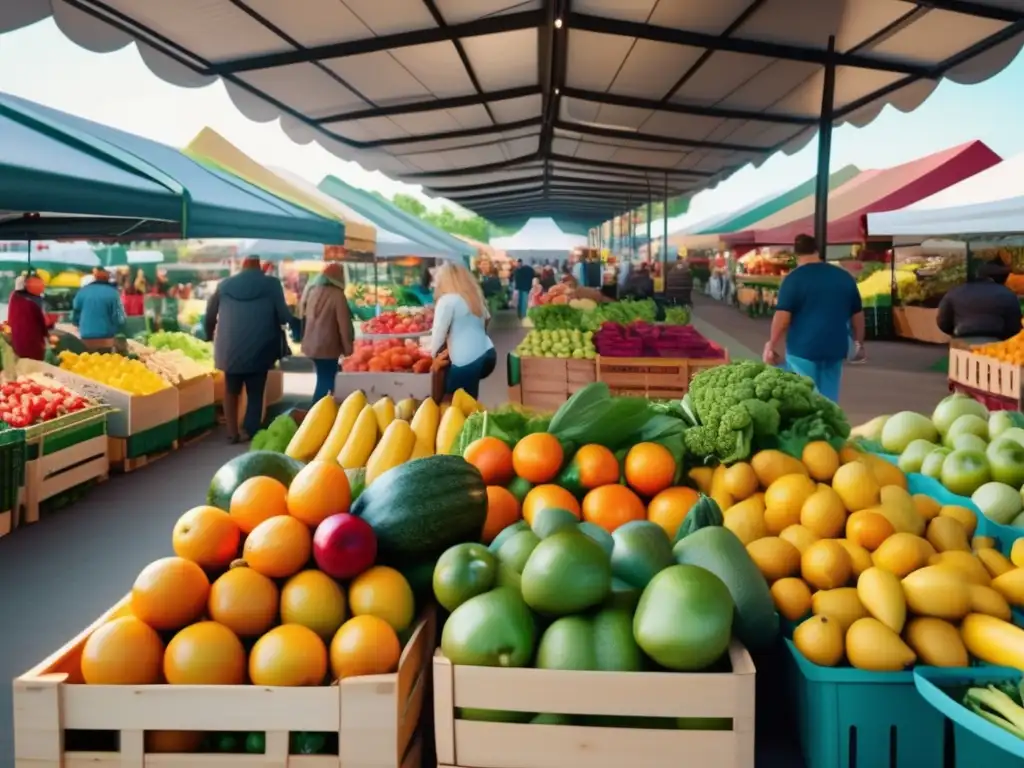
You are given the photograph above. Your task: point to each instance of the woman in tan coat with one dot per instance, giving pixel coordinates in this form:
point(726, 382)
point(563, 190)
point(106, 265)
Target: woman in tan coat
point(327, 332)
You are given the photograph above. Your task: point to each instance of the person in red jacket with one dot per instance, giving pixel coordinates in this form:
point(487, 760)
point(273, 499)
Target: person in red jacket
point(25, 315)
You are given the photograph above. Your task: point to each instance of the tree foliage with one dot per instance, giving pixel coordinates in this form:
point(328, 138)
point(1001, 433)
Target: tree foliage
point(473, 227)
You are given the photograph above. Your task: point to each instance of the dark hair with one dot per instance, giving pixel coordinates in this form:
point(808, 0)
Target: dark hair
point(804, 245)
point(993, 270)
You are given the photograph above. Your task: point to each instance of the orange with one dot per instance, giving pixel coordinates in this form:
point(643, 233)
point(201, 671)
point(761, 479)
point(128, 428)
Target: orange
point(493, 458)
point(244, 601)
point(257, 499)
point(321, 489)
point(206, 653)
point(207, 536)
point(596, 466)
point(290, 655)
point(164, 742)
point(502, 511)
point(544, 496)
point(278, 547)
point(611, 506)
point(650, 468)
point(170, 593)
point(383, 592)
point(124, 651)
point(365, 645)
point(670, 507)
point(868, 529)
point(314, 600)
point(826, 565)
point(538, 457)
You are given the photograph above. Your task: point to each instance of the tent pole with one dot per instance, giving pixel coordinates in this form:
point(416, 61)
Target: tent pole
point(631, 232)
point(825, 118)
point(650, 204)
point(664, 231)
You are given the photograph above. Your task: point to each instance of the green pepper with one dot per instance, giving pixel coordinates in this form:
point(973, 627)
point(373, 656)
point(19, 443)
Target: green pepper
point(303, 743)
point(256, 743)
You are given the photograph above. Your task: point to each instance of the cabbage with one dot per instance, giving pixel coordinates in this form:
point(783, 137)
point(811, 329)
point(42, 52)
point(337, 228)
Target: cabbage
point(998, 502)
point(952, 407)
point(1000, 421)
point(914, 455)
point(903, 428)
point(967, 424)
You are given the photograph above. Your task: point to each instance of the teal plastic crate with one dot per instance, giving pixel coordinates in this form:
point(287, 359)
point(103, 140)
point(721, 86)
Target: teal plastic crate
point(12, 466)
point(153, 440)
point(197, 421)
point(976, 742)
point(850, 718)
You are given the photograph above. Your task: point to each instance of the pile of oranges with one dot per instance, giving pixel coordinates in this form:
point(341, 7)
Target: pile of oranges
point(1009, 351)
point(528, 477)
point(240, 602)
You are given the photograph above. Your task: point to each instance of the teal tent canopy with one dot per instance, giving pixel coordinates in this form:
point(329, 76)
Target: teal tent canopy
point(386, 216)
point(165, 192)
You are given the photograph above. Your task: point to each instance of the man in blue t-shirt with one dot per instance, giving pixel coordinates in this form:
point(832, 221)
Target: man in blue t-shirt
point(817, 310)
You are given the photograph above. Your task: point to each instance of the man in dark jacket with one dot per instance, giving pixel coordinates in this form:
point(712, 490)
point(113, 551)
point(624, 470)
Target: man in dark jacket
point(679, 284)
point(640, 284)
point(522, 281)
point(245, 319)
point(983, 309)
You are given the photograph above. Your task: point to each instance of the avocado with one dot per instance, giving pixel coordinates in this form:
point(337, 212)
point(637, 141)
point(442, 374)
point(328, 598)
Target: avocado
point(552, 520)
point(720, 551)
point(495, 629)
point(463, 571)
point(600, 642)
point(642, 549)
point(506, 533)
point(567, 572)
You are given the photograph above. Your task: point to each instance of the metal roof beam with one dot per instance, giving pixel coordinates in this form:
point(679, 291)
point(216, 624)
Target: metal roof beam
point(471, 170)
point(488, 25)
point(464, 133)
point(440, 20)
point(431, 105)
point(640, 187)
point(731, 44)
point(653, 105)
point(552, 192)
point(654, 138)
point(629, 166)
point(968, 8)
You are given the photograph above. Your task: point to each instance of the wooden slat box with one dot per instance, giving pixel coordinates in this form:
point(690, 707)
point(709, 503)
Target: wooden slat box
point(653, 377)
point(475, 744)
point(376, 717)
point(54, 473)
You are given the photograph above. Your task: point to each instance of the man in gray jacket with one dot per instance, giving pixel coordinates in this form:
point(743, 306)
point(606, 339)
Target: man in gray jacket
point(245, 319)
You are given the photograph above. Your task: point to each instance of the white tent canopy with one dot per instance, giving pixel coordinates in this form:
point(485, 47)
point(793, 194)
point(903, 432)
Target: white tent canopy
point(145, 257)
point(539, 239)
point(987, 205)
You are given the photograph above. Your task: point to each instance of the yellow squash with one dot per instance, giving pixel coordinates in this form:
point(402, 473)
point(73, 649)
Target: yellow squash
point(384, 409)
point(448, 431)
point(360, 442)
point(406, 409)
point(313, 430)
point(993, 641)
point(394, 448)
point(424, 423)
point(343, 423)
point(465, 402)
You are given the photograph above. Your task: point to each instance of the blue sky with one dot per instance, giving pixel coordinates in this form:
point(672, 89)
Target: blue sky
point(39, 63)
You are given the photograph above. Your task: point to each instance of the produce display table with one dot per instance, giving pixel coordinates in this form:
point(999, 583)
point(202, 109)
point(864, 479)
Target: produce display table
point(397, 386)
point(375, 718)
point(545, 383)
point(996, 384)
point(653, 377)
point(668, 695)
point(196, 411)
point(918, 324)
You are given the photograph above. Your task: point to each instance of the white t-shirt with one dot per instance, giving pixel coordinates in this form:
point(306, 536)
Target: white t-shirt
point(456, 325)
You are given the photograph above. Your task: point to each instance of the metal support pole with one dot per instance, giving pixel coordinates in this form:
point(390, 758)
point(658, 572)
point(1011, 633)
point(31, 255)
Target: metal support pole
point(650, 204)
point(631, 232)
point(824, 152)
point(664, 232)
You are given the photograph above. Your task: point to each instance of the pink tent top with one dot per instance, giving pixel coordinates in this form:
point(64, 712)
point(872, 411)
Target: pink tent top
point(885, 190)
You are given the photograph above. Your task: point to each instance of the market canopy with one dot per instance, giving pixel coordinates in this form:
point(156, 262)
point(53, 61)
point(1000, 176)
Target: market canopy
point(539, 239)
point(385, 214)
point(210, 147)
point(48, 255)
point(537, 108)
point(886, 190)
point(208, 202)
point(989, 204)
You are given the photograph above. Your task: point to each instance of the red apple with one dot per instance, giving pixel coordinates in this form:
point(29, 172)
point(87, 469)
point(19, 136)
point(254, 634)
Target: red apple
point(344, 546)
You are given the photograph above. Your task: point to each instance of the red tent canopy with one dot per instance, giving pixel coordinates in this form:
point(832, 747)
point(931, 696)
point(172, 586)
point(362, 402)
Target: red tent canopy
point(886, 190)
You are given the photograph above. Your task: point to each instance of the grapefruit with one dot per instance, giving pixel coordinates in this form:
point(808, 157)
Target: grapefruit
point(244, 601)
point(314, 600)
point(125, 651)
point(207, 536)
point(170, 593)
point(364, 645)
point(290, 655)
point(383, 592)
point(206, 653)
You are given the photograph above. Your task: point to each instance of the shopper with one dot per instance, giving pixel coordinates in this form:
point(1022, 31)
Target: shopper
point(522, 281)
point(97, 311)
point(818, 308)
point(27, 318)
point(640, 284)
point(983, 310)
point(460, 329)
point(679, 284)
point(245, 317)
point(327, 332)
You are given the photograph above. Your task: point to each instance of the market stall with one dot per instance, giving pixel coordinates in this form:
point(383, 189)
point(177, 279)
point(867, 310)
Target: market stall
point(539, 240)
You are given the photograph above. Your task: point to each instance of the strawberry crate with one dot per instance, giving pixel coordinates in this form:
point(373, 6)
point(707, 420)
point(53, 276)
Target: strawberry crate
point(992, 382)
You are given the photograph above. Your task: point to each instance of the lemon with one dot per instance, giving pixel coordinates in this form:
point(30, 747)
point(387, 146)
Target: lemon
point(746, 520)
point(823, 513)
point(826, 565)
point(821, 460)
point(856, 485)
point(784, 499)
point(740, 481)
point(776, 558)
point(820, 640)
point(798, 536)
point(792, 598)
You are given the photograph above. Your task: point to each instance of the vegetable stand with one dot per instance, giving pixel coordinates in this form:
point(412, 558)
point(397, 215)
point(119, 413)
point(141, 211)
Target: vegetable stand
point(994, 383)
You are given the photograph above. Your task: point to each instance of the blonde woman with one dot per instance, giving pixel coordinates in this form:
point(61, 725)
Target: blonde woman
point(460, 329)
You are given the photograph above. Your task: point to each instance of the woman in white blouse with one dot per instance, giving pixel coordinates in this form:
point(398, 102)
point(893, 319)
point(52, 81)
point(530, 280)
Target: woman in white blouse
point(460, 329)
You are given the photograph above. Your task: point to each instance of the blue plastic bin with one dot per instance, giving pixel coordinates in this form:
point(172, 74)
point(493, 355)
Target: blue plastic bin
point(977, 743)
point(850, 718)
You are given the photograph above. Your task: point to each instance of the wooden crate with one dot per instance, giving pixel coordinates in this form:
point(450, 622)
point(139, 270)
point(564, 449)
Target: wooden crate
point(62, 470)
point(132, 413)
point(474, 744)
point(653, 377)
point(547, 382)
point(376, 717)
point(985, 374)
point(918, 323)
point(194, 394)
point(397, 386)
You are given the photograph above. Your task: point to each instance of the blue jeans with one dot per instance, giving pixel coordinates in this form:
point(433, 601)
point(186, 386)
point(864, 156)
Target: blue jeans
point(468, 377)
point(326, 372)
point(826, 374)
point(522, 298)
